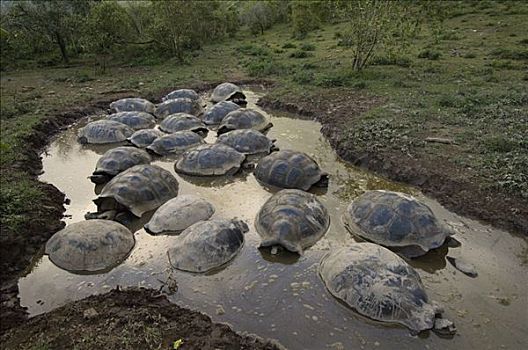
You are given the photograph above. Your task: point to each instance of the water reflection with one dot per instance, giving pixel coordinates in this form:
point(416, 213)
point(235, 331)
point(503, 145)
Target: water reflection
point(283, 256)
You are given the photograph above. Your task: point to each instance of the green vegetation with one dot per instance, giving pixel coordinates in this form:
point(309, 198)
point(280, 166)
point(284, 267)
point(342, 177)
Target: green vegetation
point(458, 71)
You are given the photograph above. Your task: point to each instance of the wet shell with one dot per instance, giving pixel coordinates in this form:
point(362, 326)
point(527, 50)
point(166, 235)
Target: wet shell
point(133, 105)
point(179, 213)
point(181, 122)
point(175, 143)
point(140, 189)
point(244, 118)
point(247, 141)
point(135, 120)
point(289, 169)
point(178, 105)
point(207, 245)
point(226, 92)
point(216, 113)
point(293, 219)
point(378, 284)
point(208, 160)
point(143, 138)
point(120, 159)
point(104, 131)
point(182, 93)
point(396, 220)
point(90, 245)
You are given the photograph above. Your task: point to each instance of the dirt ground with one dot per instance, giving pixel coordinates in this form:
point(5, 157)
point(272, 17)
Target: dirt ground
point(133, 319)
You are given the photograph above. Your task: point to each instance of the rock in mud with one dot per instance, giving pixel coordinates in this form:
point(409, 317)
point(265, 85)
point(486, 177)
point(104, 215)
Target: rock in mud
point(463, 266)
point(90, 313)
point(444, 326)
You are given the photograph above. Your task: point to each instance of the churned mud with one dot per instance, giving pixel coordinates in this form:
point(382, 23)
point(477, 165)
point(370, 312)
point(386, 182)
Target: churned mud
point(132, 319)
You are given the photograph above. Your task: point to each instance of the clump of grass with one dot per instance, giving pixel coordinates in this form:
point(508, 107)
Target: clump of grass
point(453, 36)
point(253, 50)
point(501, 64)
point(265, 67)
point(499, 144)
point(333, 80)
point(82, 77)
point(400, 61)
point(469, 55)
point(450, 101)
point(303, 77)
point(289, 45)
point(300, 54)
point(308, 47)
point(308, 65)
point(492, 78)
point(360, 85)
point(15, 109)
point(430, 55)
point(510, 54)
point(19, 196)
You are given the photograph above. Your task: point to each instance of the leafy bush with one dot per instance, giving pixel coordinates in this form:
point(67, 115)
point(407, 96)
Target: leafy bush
point(257, 15)
point(305, 17)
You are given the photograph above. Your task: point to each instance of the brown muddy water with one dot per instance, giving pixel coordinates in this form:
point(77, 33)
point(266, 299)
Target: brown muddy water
point(283, 297)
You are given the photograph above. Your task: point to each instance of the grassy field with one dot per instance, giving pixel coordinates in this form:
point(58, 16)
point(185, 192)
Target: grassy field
point(467, 83)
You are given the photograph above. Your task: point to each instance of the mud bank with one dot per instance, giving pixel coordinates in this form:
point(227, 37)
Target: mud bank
point(133, 319)
point(447, 184)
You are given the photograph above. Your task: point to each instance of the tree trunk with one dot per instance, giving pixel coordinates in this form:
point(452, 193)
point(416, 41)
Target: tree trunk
point(62, 46)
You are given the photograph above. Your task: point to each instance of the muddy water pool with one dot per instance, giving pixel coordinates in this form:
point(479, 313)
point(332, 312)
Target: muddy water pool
point(283, 297)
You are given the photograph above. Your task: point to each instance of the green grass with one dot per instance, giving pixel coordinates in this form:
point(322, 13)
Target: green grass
point(20, 197)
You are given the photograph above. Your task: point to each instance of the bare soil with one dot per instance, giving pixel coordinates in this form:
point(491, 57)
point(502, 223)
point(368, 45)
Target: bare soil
point(132, 319)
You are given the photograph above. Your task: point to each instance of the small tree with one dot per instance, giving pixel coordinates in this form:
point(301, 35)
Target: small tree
point(178, 26)
point(172, 26)
point(305, 17)
point(108, 26)
point(371, 24)
point(59, 21)
point(257, 15)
